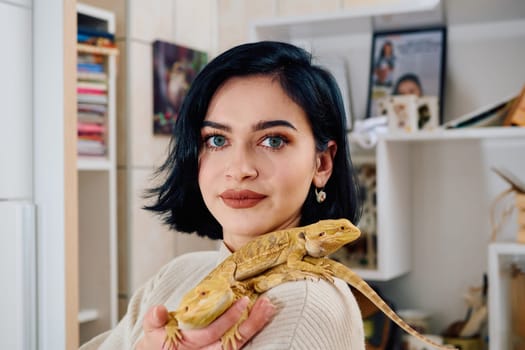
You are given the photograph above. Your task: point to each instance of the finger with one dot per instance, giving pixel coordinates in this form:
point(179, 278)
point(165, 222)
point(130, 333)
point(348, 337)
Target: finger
point(155, 318)
point(217, 328)
point(226, 321)
point(260, 315)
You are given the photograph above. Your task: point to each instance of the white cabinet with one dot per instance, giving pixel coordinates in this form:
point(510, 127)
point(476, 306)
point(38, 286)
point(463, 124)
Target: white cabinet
point(98, 297)
point(436, 191)
point(501, 256)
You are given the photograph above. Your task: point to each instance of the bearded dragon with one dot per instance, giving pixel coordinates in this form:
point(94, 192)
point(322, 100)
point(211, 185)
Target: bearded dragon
point(224, 284)
point(214, 294)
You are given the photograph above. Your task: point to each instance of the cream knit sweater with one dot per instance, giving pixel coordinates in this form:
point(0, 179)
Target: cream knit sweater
point(310, 314)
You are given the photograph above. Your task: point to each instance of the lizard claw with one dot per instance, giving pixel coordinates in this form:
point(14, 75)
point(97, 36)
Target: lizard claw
point(327, 276)
point(229, 339)
point(324, 271)
point(173, 334)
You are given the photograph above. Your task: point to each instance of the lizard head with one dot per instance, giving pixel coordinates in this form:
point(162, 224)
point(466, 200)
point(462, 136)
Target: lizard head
point(326, 236)
point(203, 304)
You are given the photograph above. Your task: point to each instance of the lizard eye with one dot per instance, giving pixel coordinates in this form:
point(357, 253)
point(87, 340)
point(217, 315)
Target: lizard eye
point(203, 293)
point(186, 308)
point(322, 234)
point(342, 227)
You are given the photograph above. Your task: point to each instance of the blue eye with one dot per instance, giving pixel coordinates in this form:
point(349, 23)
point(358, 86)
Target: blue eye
point(216, 141)
point(275, 142)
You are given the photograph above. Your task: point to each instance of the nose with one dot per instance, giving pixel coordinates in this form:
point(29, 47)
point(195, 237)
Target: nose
point(241, 164)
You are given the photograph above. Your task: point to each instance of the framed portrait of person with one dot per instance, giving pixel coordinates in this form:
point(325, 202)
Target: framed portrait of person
point(174, 68)
point(407, 62)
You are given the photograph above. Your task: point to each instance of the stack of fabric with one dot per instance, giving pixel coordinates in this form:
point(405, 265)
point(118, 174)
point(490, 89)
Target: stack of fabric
point(92, 90)
point(92, 102)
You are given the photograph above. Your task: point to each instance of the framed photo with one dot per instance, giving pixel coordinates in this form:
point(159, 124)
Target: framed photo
point(407, 62)
point(174, 68)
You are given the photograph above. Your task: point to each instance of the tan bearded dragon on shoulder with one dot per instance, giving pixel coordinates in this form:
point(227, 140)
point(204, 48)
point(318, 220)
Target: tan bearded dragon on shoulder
point(223, 285)
point(265, 262)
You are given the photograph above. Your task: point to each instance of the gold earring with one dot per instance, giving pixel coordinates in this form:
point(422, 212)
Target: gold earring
point(320, 195)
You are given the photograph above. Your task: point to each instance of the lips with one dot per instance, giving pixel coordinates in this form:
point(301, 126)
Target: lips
point(241, 199)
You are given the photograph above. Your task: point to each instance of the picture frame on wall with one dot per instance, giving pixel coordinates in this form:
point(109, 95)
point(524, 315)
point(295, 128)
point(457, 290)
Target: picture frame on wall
point(174, 68)
point(409, 61)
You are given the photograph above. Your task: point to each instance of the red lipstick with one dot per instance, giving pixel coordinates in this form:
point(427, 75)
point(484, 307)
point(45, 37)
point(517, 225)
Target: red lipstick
point(241, 199)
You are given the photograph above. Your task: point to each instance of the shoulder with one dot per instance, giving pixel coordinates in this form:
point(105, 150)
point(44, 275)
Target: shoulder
point(313, 314)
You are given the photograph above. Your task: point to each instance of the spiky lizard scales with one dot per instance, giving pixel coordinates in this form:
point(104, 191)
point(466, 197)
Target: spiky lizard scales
point(224, 285)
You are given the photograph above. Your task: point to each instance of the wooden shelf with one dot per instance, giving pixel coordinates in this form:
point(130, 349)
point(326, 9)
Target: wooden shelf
point(110, 51)
point(97, 188)
point(87, 315)
point(458, 134)
point(93, 163)
point(352, 19)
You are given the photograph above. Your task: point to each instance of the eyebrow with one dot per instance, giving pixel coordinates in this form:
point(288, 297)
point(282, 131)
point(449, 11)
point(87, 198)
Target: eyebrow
point(262, 125)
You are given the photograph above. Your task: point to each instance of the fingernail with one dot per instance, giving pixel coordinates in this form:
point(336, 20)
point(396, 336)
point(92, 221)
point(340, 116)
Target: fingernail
point(268, 308)
point(156, 314)
point(243, 302)
point(269, 311)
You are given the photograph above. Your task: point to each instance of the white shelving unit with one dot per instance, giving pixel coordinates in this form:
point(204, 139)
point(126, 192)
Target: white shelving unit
point(97, 207)
point(434, 189)
point(501, 256)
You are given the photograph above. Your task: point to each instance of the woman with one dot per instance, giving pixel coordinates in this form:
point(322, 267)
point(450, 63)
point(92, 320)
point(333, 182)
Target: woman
point(260, 145)
point(408, 84)
point(384, 66)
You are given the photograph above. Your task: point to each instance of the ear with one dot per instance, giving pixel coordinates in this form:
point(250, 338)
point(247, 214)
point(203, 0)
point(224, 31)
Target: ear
point(324, 165)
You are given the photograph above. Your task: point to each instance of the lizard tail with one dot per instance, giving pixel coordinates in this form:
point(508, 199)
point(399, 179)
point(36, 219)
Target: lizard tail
point(343, 272)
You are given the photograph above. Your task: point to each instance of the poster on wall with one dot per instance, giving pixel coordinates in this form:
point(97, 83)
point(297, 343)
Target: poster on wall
point(174, 68)
point(407, 62)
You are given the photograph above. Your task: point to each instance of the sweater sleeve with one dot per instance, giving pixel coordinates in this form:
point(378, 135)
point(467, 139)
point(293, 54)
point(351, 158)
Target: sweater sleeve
point(312, 315)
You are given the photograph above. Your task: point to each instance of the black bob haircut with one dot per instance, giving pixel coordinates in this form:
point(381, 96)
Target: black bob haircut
point(178, 199)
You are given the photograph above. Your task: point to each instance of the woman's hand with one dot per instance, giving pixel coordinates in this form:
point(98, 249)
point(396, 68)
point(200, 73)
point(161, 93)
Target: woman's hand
point(208, 338)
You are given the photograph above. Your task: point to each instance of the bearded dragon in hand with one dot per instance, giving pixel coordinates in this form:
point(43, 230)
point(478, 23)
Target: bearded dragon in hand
point(224, 285)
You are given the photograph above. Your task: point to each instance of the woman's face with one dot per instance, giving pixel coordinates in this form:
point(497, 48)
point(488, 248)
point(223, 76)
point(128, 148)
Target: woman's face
point(408, 87)
point(258, 159)
point(388, 50)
